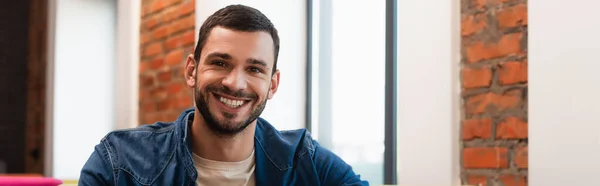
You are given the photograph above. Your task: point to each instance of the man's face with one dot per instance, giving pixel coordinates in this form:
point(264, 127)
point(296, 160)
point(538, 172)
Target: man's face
point(233, 79)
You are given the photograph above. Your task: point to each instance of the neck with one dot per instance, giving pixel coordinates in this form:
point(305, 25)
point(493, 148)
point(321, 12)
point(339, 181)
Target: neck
point(209, 145)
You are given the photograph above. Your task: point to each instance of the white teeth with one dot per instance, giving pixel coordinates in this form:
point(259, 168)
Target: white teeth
point(231, 103)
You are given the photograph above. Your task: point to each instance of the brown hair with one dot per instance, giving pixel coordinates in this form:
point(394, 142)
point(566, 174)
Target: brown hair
point(239, 18)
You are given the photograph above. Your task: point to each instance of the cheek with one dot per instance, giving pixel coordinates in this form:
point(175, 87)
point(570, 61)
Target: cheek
point(262, 88)
point(206, 78)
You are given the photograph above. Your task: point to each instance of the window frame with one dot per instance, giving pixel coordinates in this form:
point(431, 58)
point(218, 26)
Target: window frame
point(390, 143)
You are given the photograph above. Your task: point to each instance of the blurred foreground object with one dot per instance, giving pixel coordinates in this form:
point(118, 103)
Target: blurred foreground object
point(27, 180)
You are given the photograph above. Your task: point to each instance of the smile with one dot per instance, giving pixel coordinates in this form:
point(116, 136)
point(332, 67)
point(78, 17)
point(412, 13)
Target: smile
point(232, 103)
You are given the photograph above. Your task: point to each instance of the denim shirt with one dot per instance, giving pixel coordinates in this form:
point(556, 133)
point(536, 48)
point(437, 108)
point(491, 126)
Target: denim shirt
point(160, 154)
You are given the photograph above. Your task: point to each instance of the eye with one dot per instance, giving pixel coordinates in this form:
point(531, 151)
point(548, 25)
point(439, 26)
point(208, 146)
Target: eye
point(219, 63)
point(255, 70)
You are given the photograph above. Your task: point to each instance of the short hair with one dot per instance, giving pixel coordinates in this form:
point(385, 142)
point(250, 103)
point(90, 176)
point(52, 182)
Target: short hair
point(238, 18)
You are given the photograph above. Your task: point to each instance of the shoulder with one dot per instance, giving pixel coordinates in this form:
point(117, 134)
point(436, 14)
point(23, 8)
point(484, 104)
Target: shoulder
point(283, 146)
point(290, 139)
point(151, 135)
point(301, 140)
point(132, 150)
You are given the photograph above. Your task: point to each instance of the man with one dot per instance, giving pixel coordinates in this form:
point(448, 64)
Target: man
point(222, 141)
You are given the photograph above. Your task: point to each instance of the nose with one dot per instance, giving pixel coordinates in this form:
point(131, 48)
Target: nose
point(235, 80)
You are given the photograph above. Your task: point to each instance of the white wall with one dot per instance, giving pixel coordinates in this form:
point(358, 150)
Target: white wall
point(564, 92)
point(127, 69)
point(83, 100)
point(287, 108)
point(428, 93)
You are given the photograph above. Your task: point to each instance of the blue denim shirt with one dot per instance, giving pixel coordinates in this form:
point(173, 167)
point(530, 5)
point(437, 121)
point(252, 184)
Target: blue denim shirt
point(160, 154)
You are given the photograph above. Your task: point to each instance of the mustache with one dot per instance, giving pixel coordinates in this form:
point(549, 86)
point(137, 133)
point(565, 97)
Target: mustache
point(226, 91)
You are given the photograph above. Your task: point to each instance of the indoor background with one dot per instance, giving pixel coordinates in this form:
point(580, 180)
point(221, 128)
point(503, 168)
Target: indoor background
point(408, 92)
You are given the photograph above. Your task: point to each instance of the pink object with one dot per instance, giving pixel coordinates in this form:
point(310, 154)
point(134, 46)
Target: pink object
point(28, 181)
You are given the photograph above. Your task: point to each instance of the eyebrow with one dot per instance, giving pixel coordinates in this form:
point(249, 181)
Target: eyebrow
point(254, 61)
point(220, 55)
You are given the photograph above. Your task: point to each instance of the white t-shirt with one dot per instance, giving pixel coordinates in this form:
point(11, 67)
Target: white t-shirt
point(212, 172)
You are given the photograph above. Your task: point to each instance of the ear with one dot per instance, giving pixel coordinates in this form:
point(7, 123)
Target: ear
point(190, 71)
point(274, 84)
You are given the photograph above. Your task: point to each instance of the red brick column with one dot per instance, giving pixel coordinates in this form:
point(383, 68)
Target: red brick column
point(494, 92)
point(167, 36)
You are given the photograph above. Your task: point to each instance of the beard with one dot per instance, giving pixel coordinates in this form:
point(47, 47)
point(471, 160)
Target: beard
point(226, 127)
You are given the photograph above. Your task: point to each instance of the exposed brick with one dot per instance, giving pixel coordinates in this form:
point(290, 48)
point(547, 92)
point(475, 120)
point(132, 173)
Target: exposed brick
point(172, 2)
point(477, 180)
point(158, 93)
point(477, 128)
point(157, 5)
point(164, 104)
point(481, 157)
point(152, 49)
point(163, 116)
point(494, 34)
point(512, 16)
point(512, 72)
point(480, 103)
point(187, 7)
point(164, 76)
point(512, 128)
point(159, 32)
point(513, 180)
point(147, 117)
point(143, 95)
point(476, 77)
point(177, 72)
point(509, 99)
point(507, 45)
point(175, 88)
point(174, 57)
point(145, 10)
point(166, 34)
point(148, 106)
point(522, 157)
point(480, 4)
point(172, 42)
point(146, 81)
point(185, 39)
point(156, 64)
point(170, 14)
point(188, 38)
point(184, 102)
point(483, 4)
point(472, 24)
point(181, 24)
point(172, 115)
point(145, 38)
point(149, 23)
point(143, 66)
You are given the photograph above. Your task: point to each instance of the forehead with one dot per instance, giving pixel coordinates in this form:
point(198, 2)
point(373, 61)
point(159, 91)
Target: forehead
point(240, 45)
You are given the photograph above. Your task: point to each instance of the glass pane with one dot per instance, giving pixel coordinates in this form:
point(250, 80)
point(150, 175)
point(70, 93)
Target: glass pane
point(358, 85)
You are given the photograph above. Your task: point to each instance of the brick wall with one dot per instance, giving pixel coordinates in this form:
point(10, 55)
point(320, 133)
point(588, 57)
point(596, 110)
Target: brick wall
point(494, 92)
point(167, 36)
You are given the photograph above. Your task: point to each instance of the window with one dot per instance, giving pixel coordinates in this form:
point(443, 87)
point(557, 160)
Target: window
point(347, 80)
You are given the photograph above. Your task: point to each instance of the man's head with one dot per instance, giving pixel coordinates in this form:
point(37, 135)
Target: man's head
point(238, 18)
point(233, 70)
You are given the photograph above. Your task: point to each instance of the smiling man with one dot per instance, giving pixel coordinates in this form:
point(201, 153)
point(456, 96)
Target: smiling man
point(222, 140)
